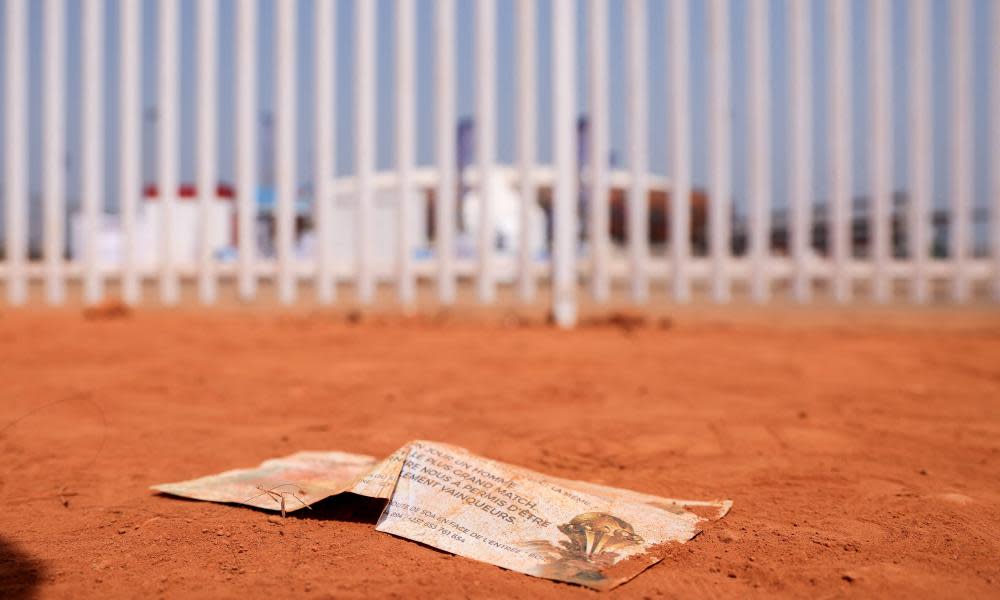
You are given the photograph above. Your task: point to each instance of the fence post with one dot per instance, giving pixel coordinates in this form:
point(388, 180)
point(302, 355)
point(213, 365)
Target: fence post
point(800, 148)
point(759, 150)
point(15, 194)
point(364, 107)
point(638, 155)
point(839, 225)
point(600, 204)
point(486, 15)
point(995, 152)
point(720, 158)
point(921, 169)
point(678, 49)
point(960, 188)
point(207, 36)
point(129, 182)
point(167, 135)
point(92, 147)
point(444, 205)
point(54, 127)
point(565, 197)
point(405, 147)
point(246, 146)
point(285, 171)
point(324, 170)
point(880, 212)
point(527, 131)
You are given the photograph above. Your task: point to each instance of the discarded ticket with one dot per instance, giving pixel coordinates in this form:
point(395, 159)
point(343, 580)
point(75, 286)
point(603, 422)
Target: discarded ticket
point(451, 499)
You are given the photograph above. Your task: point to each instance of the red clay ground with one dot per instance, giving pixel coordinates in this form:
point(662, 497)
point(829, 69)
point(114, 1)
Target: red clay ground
point(862, 453)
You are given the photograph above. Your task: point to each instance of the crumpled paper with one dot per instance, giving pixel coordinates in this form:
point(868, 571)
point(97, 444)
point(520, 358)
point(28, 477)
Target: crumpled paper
point(449, 498)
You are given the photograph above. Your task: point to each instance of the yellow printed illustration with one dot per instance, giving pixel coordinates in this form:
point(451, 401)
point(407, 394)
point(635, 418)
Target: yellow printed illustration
point(594, 540)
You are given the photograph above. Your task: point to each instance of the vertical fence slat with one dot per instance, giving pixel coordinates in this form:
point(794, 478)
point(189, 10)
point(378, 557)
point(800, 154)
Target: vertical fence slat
point(880, 211)
point(960, 188)
point(839, 223)
point(565, 197)
point(759, 150)
point(720, 132)
point(678, 55)
point(365, 147)
point(246, 146)
point(92, 147)
point(995, 150)
point(800, 148)
point(638, 156)
point(16, 192)
point(129, 151)
point(15, 197)
point(599, 202)
point(168, 146)
point(324, 170)
point(486, 15)
point(207, 34)
point(444, 205)
point(54, 125)
point(527, 128)
point(285, 171)
point(921, 169)
point(405, 146)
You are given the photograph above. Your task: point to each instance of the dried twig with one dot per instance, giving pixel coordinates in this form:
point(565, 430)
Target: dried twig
point(274, 493)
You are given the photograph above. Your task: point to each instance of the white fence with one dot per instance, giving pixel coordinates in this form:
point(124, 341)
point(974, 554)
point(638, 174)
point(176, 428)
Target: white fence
point(756, 251)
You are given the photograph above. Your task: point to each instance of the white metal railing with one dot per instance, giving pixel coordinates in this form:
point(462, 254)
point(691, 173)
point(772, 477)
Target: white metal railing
point(575, 254)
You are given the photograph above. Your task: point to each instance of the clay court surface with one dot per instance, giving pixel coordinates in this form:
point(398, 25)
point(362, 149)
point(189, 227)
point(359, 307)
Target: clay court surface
point(862, 450)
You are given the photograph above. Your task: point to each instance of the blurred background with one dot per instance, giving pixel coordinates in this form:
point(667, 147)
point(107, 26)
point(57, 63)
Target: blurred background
point(842, 147)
